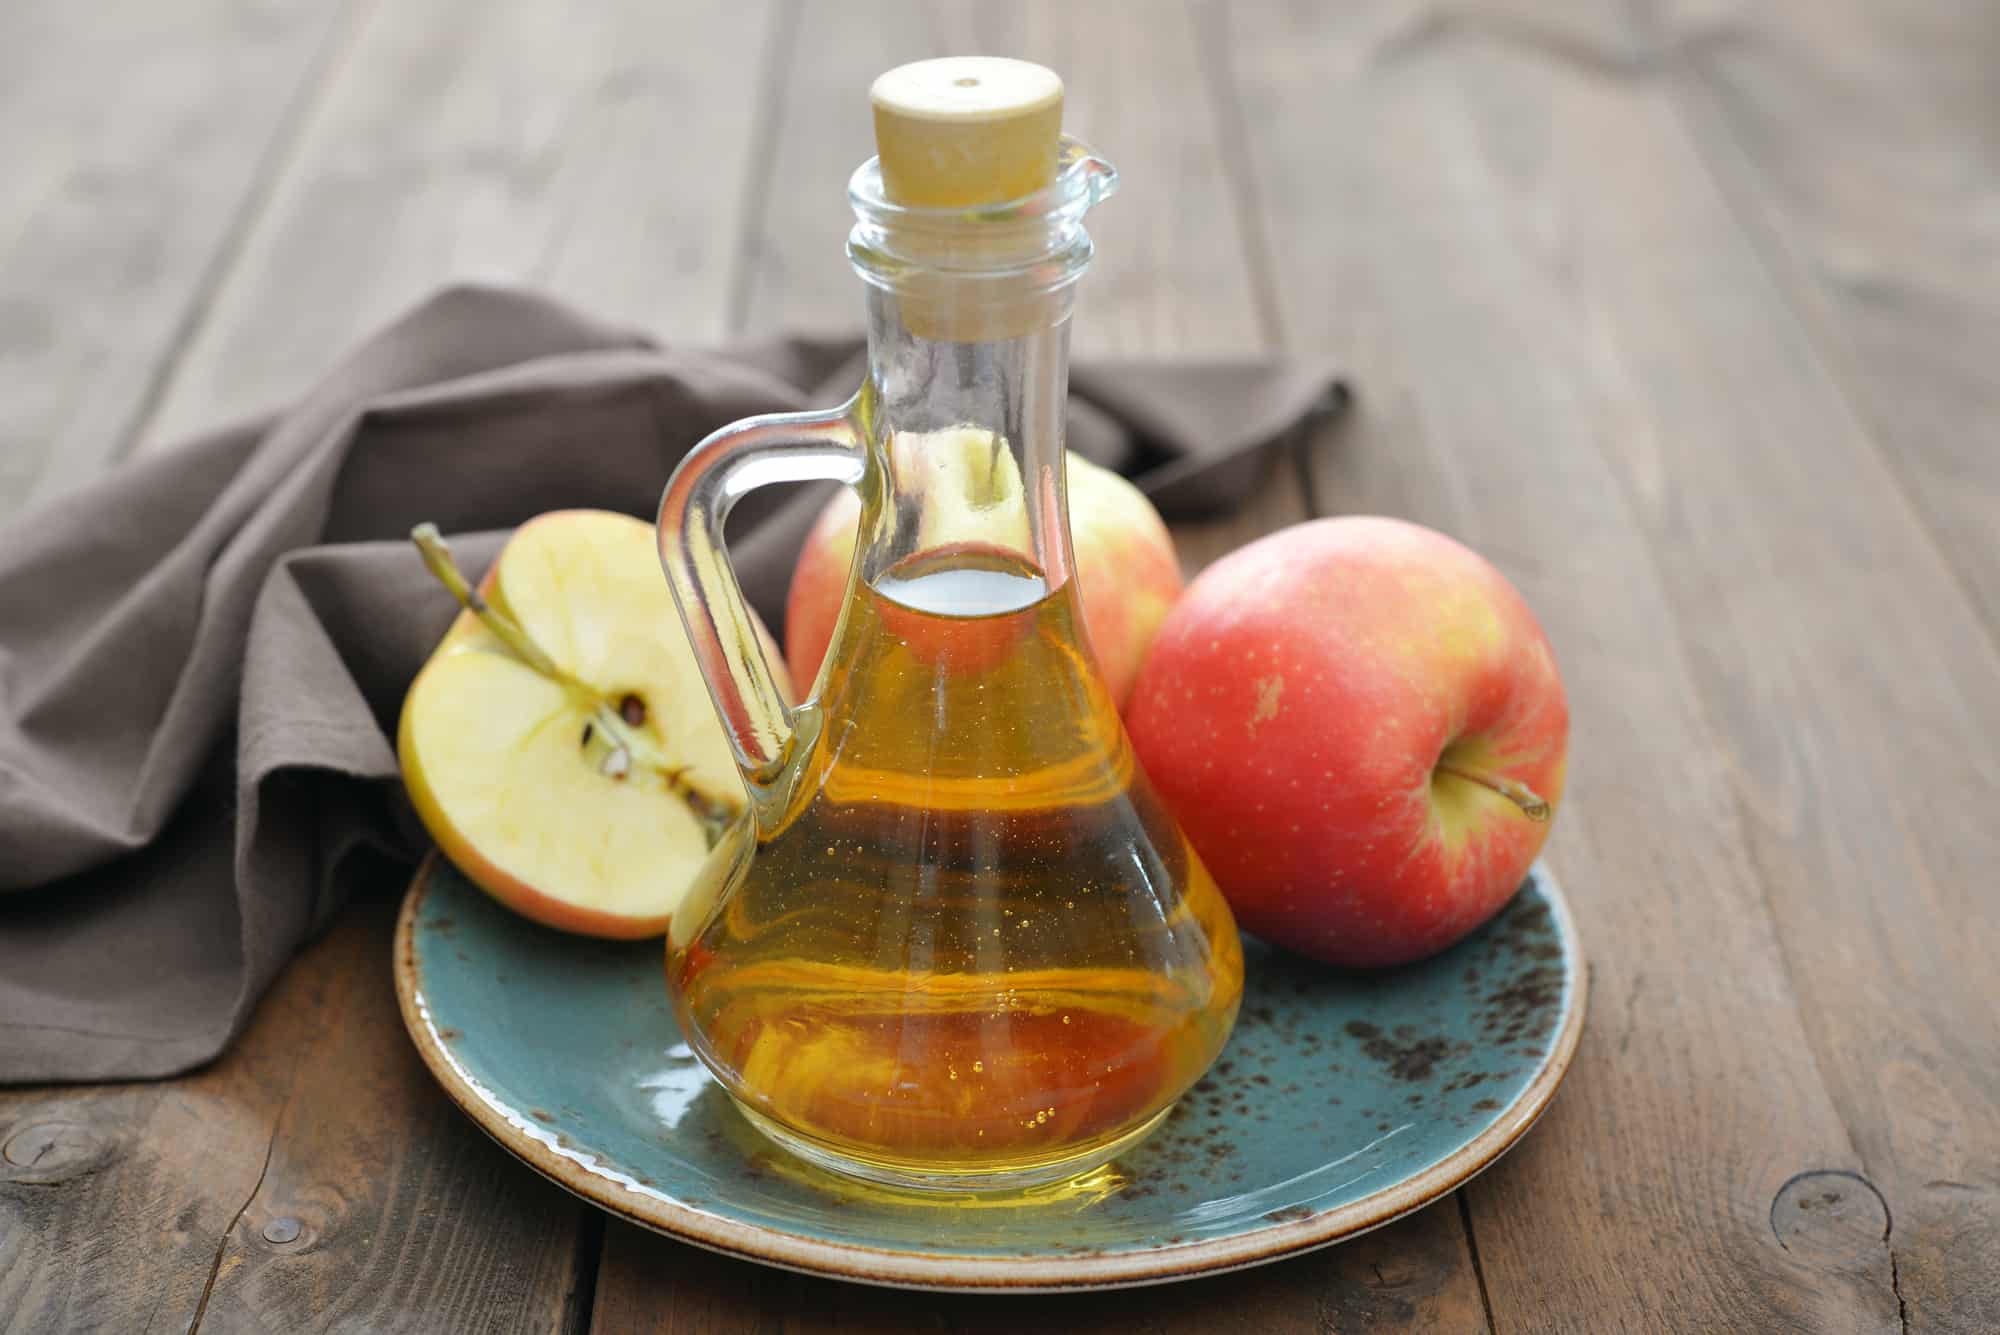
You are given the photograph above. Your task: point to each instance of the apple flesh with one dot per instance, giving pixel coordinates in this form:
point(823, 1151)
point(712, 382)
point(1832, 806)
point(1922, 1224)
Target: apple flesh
point(559, 744)
point(1128, 575)
point(1360, 726)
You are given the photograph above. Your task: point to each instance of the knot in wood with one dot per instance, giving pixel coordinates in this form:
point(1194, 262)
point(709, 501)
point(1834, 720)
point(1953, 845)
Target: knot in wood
point(1830, 1215)
point(43, 1153)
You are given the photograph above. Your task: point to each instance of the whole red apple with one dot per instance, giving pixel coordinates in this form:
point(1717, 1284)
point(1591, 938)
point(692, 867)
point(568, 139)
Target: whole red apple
point(1126, 570)
point(1360, 726)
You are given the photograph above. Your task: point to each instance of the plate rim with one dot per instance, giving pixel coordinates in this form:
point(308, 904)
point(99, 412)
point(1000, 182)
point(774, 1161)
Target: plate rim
point(860, 1263)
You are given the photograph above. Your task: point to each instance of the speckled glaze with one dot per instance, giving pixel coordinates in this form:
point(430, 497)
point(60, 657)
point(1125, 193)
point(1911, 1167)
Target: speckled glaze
point(1342, 1101)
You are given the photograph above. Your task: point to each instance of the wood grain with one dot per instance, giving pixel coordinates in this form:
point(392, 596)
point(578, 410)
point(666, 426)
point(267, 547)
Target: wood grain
point(593, 150)
point(313, 1178)
point(135, 136)
point(1497, 182)
point(381, 1207)
point(114, 1199)
point(1811, 592)
point(1408, 1276)
point(1855, 139)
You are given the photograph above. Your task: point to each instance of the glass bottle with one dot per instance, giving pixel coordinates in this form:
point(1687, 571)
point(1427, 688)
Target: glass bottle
point(955, 941)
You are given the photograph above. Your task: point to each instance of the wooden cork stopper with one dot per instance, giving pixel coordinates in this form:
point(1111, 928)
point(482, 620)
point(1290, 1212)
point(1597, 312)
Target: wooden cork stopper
point(964, 131)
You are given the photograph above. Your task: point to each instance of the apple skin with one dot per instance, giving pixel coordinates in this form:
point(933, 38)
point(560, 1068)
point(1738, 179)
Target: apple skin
point(1128, 575)
point(819, 585)
point(1127, 571)
point(466, 634)
point(1294, 710)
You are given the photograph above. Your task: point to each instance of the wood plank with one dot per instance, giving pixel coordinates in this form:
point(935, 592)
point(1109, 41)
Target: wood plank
point(1502, 186)
point(125, 1207)
point(381, 1207)
point(1408, 1276)
point(596, 151)
point(114, 1198)
point(1869, 806)
point(1868, 810)
point(1855, 138)
point(135, 135)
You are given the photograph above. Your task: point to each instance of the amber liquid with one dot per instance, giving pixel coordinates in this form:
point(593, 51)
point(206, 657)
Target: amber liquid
point(973, 945)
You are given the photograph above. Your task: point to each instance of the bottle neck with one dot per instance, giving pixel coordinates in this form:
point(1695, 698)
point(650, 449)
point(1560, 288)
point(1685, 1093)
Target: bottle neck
point(968, 338)
point(965, 435)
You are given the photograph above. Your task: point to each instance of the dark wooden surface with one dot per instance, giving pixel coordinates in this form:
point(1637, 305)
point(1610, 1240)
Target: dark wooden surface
point(1684, 311)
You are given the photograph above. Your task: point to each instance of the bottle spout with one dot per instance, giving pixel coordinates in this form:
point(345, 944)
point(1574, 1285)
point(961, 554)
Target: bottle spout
point(1082, 175)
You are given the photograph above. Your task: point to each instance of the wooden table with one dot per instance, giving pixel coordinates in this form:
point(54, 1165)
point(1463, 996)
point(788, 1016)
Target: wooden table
point(1684, 311)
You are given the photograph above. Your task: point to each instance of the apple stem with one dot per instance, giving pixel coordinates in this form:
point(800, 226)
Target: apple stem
point(438, 560)
point(627, 745)
point(1532, 804)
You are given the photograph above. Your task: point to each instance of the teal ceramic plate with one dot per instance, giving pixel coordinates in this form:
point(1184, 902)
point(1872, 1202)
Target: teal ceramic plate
point(1341, 1102)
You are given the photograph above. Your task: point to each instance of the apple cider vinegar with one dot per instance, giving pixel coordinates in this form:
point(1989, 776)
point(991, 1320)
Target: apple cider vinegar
point(954, 942)
point(976, 946)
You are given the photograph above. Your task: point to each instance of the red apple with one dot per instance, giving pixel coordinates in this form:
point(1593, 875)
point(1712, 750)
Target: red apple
point(1128, 575)
point(1360, 726)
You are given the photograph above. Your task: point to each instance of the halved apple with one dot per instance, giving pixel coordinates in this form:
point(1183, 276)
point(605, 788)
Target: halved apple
point(559, 745)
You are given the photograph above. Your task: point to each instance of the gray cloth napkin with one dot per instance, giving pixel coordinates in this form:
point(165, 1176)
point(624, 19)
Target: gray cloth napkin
point(202, 656)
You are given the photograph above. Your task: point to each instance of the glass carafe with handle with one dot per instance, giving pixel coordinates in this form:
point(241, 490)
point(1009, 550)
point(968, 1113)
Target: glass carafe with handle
point(954, 941)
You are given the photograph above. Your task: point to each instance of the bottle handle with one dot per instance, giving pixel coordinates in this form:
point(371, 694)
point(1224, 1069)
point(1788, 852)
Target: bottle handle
point(738, 459)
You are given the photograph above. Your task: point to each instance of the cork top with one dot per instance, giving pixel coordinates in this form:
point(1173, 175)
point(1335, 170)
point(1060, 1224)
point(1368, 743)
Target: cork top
point(966, 131)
